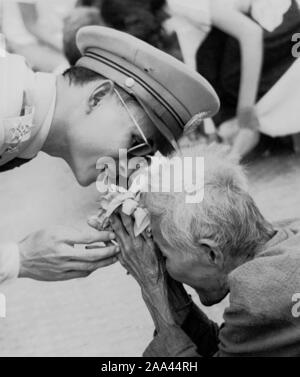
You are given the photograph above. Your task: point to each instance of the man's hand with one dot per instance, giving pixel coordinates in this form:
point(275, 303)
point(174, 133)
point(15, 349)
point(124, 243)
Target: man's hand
point(49, 255)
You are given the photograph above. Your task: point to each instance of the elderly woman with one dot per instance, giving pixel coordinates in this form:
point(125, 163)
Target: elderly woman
point(219, 246)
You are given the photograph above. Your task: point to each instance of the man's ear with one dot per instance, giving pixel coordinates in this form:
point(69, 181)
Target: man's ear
point(102, 91)
point(213, 253)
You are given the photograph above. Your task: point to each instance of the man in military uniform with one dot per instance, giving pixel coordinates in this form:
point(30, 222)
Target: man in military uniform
point(122, 94)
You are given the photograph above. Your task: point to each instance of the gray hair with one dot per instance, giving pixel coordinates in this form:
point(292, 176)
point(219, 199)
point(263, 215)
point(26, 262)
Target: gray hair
point(228, 215)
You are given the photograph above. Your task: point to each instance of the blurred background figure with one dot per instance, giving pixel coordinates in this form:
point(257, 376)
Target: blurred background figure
point(143, 19)
point(171, 26)
point(81, 16)
point(33, 28)
point(246, 54)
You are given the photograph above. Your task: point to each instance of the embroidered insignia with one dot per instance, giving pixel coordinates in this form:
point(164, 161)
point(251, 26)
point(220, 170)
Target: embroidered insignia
point(18, 130)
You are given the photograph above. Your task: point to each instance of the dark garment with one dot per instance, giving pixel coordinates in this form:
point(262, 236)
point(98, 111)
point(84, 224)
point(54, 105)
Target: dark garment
point(219, 61)
point(260, 320)
point(16, 163)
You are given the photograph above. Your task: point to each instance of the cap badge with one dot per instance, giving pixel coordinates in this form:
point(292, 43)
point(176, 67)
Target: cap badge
point(130, 82)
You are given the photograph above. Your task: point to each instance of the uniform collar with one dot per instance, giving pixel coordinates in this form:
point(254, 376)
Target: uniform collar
point(44, 112)
point(40, 98)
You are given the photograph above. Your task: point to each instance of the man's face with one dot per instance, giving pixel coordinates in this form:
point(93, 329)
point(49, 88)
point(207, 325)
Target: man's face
point(193, 269)
point(103, 132)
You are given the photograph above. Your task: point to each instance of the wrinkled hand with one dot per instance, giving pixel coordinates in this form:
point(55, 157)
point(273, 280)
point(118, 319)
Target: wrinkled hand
point(49, 255)
point(139, 255)
point(142, 260)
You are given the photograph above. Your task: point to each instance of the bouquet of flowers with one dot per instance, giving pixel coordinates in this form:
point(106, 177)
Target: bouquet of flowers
point(129, 201)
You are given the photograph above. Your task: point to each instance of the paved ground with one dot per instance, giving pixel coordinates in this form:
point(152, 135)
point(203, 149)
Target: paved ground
point(102, 315)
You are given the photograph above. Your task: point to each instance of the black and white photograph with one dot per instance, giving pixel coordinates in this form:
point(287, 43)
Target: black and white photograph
point(149, 181)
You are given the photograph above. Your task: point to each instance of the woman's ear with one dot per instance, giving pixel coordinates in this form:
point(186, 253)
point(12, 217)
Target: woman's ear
point(103, 90)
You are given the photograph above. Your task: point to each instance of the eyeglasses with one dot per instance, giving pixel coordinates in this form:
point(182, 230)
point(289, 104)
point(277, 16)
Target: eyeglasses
point(142, 149)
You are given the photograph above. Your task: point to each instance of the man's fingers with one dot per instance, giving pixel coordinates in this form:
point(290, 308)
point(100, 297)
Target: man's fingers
point(88, 268)
point(87, 236)
point(107, 262)
point(91, 267)
point(96, 254)
point(103, 236)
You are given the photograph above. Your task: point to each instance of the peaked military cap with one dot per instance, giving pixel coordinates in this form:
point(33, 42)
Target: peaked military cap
point(171, 93)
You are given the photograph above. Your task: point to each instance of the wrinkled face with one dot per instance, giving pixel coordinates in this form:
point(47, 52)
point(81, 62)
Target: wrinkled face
point(103, 132)
point(196, 270)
